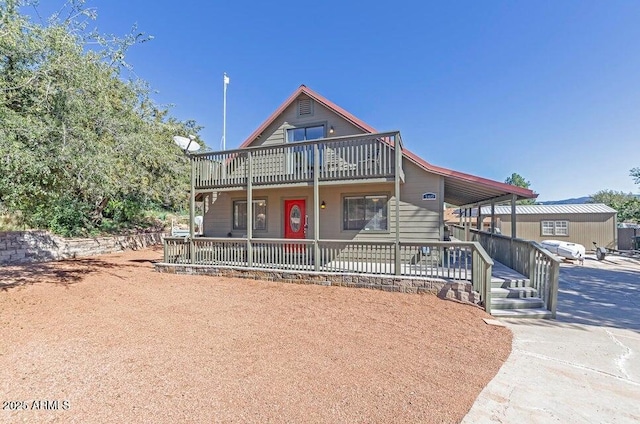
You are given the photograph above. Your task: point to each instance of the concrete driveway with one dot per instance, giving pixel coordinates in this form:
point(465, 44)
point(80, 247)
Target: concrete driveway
point(583, 367)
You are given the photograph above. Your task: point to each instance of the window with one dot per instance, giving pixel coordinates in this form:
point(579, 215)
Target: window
point(555, 228)
point(547, 228)
point(259, 214)
point(305, 133)
point(562, 228)
point(301, 157)
point(367, 213)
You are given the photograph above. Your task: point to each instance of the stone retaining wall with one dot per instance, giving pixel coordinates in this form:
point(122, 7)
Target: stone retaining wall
point(462, 291)
point(38, 246)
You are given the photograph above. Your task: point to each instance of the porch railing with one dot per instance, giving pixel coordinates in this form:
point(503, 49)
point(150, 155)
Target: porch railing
point(524, 256)
point(456, 261)
point(350, 157)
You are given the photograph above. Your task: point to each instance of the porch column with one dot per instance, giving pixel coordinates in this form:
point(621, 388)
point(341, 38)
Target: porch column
point(513, 231)
point(513, 216)
point(467, 223)
point(249, 209)
point(479, 218)
point(316, 207)
point(493, 216)
point(192, 212)
point(398, 158)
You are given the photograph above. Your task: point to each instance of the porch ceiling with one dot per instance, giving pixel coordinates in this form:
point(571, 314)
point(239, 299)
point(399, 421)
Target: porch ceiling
point(461, 193)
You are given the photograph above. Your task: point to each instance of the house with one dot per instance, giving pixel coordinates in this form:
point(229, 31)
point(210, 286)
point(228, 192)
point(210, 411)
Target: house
point(314, 191)
point(577, 223)
point(353, 197)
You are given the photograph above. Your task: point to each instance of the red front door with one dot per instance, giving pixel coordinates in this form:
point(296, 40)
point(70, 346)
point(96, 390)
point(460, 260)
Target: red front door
point(295, 219)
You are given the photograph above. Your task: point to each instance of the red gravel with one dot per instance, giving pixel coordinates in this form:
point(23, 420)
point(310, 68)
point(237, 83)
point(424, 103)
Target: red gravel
point(120, 343)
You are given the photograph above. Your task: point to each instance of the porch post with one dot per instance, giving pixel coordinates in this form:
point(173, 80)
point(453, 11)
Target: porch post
point(513, 231)
point(249, 209)
point(192, 212)
point(398, 157)
point(479, 218)
point(316, 207)
point(493, 217)
point(467, 224)
point(513, 216)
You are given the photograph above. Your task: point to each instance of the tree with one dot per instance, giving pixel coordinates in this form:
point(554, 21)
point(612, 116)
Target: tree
point(78, 142)
point(518, 180)
point(627, 205)
point(635, 174)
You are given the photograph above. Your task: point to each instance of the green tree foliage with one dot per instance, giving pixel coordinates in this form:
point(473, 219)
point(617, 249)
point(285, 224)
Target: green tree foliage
point(635, 174)
point(79, 144)
point(518, 180)
point(627, 205)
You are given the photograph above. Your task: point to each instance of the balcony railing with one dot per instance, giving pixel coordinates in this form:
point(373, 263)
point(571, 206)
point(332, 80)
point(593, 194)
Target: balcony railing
point(457, 261)
point(340, 158)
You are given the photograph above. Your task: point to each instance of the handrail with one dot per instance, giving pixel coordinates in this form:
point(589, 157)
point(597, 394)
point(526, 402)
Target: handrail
point(327, 140)
point(527, 257)
point(456, 261)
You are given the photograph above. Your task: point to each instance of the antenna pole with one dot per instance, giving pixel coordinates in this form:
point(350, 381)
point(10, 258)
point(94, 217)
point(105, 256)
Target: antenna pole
point(224, 111)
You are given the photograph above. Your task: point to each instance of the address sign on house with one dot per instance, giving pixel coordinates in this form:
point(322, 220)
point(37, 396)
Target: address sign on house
point(429, 196)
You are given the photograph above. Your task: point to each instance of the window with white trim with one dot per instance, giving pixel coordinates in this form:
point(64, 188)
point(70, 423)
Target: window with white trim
point(259, 213)
point(367, 213)
point(554, 228)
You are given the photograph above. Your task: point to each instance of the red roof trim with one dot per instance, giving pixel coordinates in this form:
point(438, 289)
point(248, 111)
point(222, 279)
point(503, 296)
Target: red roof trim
point(318, 98)
point(369, 129)
point(524, 192)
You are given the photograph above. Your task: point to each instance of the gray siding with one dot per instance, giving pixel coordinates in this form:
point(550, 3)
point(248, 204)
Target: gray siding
point(275, 133)
point(420, 219)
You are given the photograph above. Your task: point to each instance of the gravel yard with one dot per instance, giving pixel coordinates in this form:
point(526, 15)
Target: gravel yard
point(113, 341)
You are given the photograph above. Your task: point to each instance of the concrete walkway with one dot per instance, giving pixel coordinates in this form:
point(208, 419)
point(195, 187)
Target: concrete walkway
point(583, 367)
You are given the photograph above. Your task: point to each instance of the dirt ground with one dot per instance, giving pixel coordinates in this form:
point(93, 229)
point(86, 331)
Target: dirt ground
point(112, 341)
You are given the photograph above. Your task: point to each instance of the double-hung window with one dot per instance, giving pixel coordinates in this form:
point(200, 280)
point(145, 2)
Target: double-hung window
point(554, 228)
point(367, 213)
point(259, 214)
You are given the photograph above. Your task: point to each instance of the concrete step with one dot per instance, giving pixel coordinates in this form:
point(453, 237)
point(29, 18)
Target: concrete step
point(526, 303)
point(498, 282)
point(513, 292)
point(537, 313)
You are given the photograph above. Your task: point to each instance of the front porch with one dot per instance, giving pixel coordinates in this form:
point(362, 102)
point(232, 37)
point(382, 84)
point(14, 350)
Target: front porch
point(407, 266)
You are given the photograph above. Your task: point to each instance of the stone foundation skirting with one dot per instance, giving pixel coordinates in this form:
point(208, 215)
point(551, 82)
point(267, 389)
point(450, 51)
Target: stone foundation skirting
point(40, 246)
point(462, 291)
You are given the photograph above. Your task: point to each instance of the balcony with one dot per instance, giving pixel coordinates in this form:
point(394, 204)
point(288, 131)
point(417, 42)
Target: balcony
point(352, 158)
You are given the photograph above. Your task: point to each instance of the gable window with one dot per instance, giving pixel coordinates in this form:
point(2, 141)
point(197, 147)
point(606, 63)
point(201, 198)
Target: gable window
point(305, 133)
point(368, 213)
point(259, 214)
point(554, 228)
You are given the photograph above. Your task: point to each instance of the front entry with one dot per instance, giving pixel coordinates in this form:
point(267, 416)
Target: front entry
point(295, 219)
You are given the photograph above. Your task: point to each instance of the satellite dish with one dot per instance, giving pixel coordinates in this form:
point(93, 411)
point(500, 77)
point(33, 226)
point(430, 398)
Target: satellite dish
point(186, 144)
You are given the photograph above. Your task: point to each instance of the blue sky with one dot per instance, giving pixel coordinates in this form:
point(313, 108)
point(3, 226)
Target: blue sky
point(548, 89)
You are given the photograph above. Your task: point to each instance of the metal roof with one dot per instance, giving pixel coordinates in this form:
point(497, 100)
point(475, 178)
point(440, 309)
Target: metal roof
point(459, 188)
point(550, 209)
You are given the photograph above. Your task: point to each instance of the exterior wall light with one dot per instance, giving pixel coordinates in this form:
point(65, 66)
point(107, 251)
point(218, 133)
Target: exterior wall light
point(323, 205)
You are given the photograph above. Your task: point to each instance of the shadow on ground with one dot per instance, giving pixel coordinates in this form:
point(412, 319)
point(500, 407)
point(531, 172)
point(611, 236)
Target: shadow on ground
point(604, 297)
point(59, 272)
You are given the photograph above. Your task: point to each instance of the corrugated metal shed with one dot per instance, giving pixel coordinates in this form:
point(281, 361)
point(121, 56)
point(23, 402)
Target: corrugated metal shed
point(550, 209)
